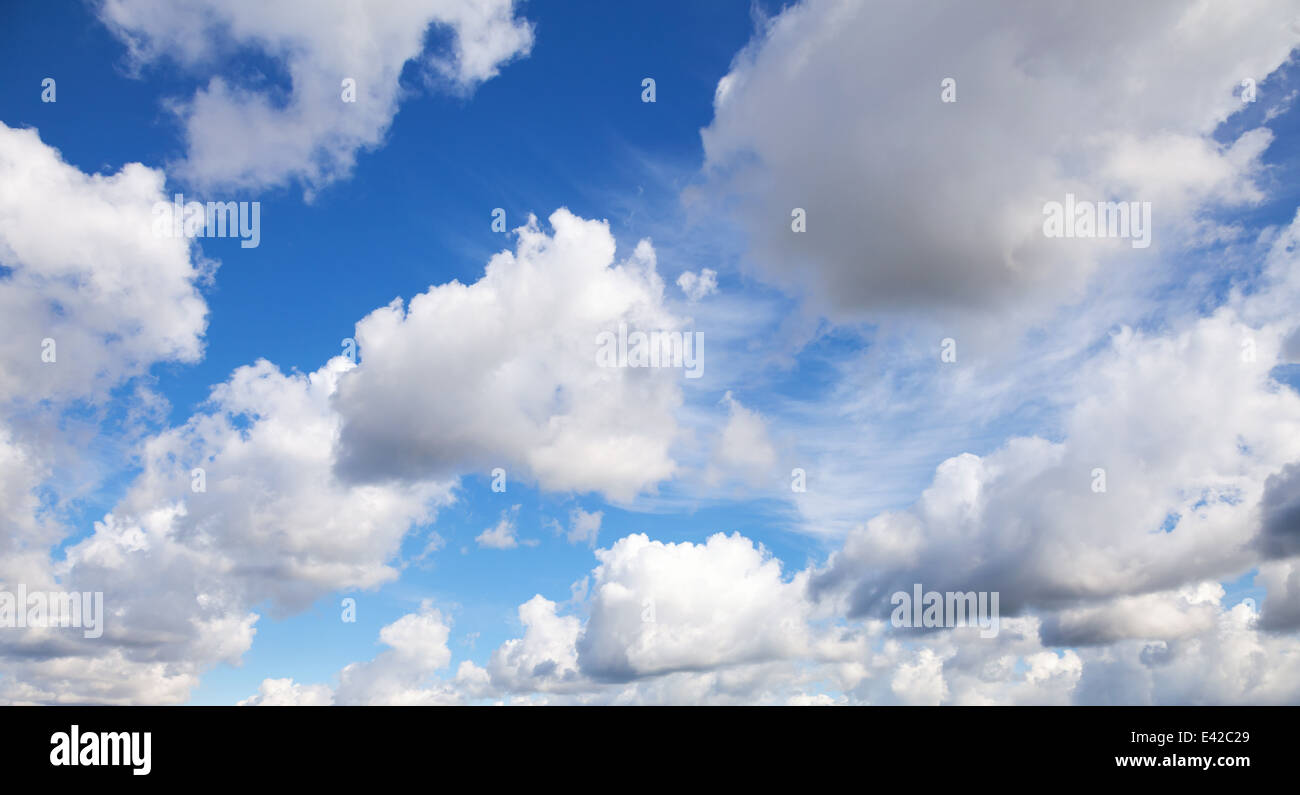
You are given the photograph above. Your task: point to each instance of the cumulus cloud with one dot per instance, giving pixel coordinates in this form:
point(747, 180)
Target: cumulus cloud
point(1029, 520)
point(405, 673)
point(417, 648)
point(1280, 505)
point(697, 286)
point(1281, 583)
point(1163, 483)
point(1153, 616)
point(91, 299)
point(912, 202)
point(502, 534)
point(184, 556)
point(310, 482)
point(246, 502)
point(545, 658)
point(270, 506)
point(584, 526)
point(1195, 437)
point(659, 607)
point(1232, 663)
point(25, 535)
point(249, 136)
point(744, 450)
point(503, 372)
point(81, 267)
point(660, 631)
point(287, 693)
point(669, 623)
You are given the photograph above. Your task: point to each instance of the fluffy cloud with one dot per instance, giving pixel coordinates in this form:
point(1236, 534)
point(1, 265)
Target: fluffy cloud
point(660, 631)
point(669, 623)
point(313, 480)
point(911, 202)
point(184, 555)
point(81, 266)
point(181, 568)
point(1179, 406)
point(1164, 616)
point(658, 607)
point(744, 450)
point(504, 372)
point(501, 535)
point(287, 693)
point(417, 648)
point(1027, 520)
point(584, 527)
point(272, 514)
point(25, 536)
point(1188, 429)
point(250, 137)
point(1232, 663)
point(545, 658)
point(697, 286)
point(405, 673)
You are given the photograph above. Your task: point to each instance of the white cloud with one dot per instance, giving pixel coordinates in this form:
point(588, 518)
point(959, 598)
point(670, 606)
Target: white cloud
point(1188, 429)
point(313, 481)
point(1025, 520)
point(403, 674)
point(919, 681)
point(246, 136)
point(744, 450)
point(512, 362)
point(1232, 663)
point(82, 267)
point(584, 527)
point(723, 627)
point(272, 516)
point(1189, 611)
point(698, 286)
point(912, 202)
point(744, 636)
point(276, 524)
point(180, 570)
point(417, 648)
point(287, 693)
point(502, 534)
point(657, 608)
point(545, 658)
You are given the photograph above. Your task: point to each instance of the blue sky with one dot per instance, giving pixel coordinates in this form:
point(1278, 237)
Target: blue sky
point(417, 211)
point(452, 160)
point(822, 352)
